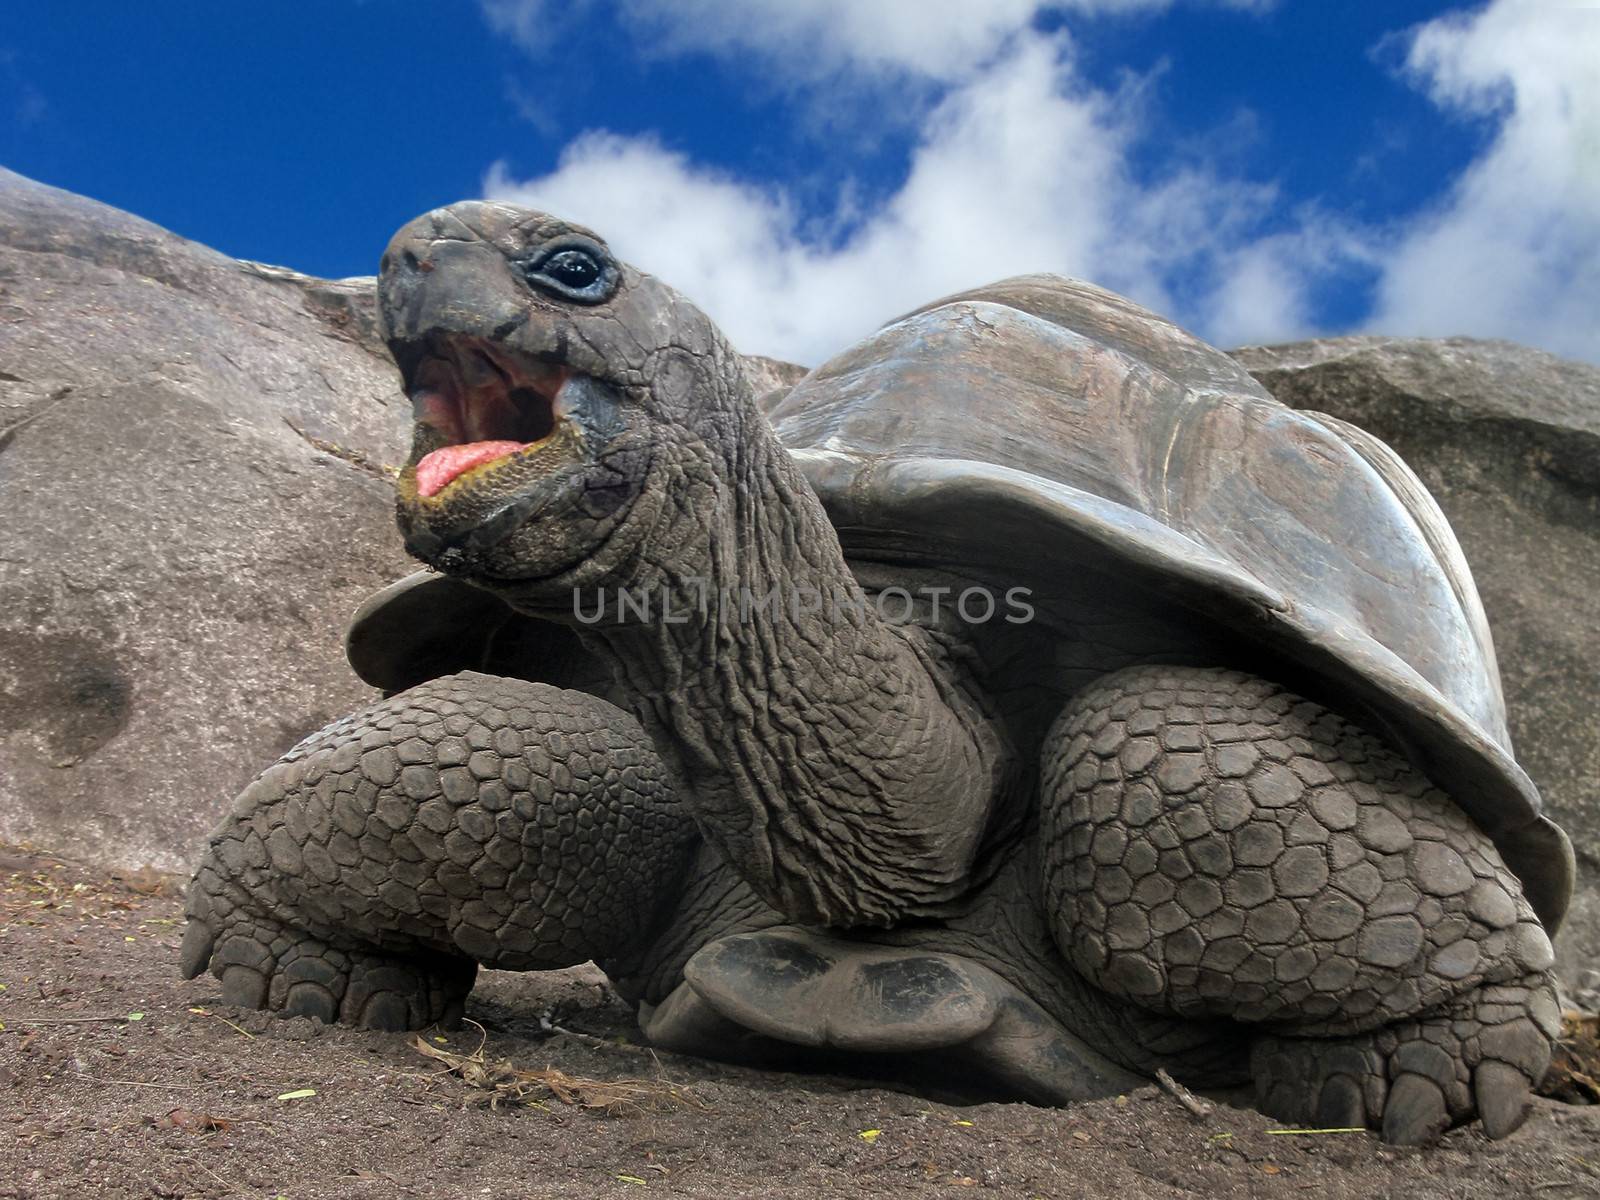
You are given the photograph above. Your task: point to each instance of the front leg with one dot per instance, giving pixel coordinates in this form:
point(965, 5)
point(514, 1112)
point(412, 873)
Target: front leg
point(472, 819)
point(1219, 847)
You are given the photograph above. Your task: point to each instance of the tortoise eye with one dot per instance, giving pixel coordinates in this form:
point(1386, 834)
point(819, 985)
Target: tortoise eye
point(574, 270)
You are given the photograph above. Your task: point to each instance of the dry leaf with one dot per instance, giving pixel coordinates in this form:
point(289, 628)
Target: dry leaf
point(191, 1122)
point(1574, 1074)
point(506, 1083)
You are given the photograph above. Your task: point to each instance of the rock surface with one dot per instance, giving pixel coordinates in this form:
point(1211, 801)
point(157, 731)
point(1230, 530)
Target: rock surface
point(768, 375)
point(192, 504)
point(1508, 440)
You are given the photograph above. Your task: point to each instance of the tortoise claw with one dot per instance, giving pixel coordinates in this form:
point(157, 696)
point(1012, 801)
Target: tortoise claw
point(264, 963)
point(311, 1000)
point(1341, 1105)
point(1416, 1113)
point(1479, 1057)
point(1503, 1094)
point(195, 955)
point(243, 986)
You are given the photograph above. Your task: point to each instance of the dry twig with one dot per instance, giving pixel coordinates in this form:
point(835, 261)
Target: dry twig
point(1198, 1108)
point(505, 1083)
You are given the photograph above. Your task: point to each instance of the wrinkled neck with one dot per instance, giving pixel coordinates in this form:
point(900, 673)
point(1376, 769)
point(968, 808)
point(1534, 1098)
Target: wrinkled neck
point(760, 587)
point(828, 753)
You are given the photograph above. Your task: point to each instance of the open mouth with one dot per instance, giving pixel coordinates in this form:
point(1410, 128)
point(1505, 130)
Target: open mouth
point(479, 406)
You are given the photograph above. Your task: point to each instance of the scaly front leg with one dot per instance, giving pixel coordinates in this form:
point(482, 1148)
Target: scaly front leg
point(472, 819)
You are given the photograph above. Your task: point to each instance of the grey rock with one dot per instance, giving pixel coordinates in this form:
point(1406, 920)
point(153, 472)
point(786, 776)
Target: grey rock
point(768, 375)
point(191, 455)
point(1508, 440)
point(1585, 992)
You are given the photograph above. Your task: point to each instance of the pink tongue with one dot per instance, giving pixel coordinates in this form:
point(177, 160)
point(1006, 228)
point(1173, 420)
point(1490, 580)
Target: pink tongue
point(441, 466)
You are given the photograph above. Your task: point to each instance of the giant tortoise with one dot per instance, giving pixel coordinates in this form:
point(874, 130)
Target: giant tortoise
point(1024, 691)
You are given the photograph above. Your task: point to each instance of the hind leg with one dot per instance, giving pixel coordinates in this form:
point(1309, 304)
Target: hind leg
point(1218, 847)
point(471, 819)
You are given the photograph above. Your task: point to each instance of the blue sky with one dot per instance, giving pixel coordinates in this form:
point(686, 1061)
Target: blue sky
point(805, 169)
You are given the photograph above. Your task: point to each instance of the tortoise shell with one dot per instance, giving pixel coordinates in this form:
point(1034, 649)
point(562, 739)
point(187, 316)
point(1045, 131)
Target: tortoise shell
point(1038, 429)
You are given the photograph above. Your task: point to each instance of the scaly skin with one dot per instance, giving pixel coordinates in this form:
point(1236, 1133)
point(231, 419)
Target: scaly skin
point(472, 819)
point(1216, 846)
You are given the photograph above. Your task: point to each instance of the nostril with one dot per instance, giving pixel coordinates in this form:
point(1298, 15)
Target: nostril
point(410, 260)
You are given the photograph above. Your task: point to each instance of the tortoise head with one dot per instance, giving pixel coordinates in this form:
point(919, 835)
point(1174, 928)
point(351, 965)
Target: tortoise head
point(562, 399)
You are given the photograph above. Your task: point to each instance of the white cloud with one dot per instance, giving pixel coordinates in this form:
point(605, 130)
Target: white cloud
point(936, 39)
point(1018, 169)
point(1020, 165)
point(1513, 250)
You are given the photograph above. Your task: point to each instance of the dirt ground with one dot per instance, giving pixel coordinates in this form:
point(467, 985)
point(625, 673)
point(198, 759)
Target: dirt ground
point(119, 1080)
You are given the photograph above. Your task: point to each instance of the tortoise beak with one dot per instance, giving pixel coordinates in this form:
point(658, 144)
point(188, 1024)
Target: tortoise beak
point(496, 436)
point(502, 422)
point(444, 272)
